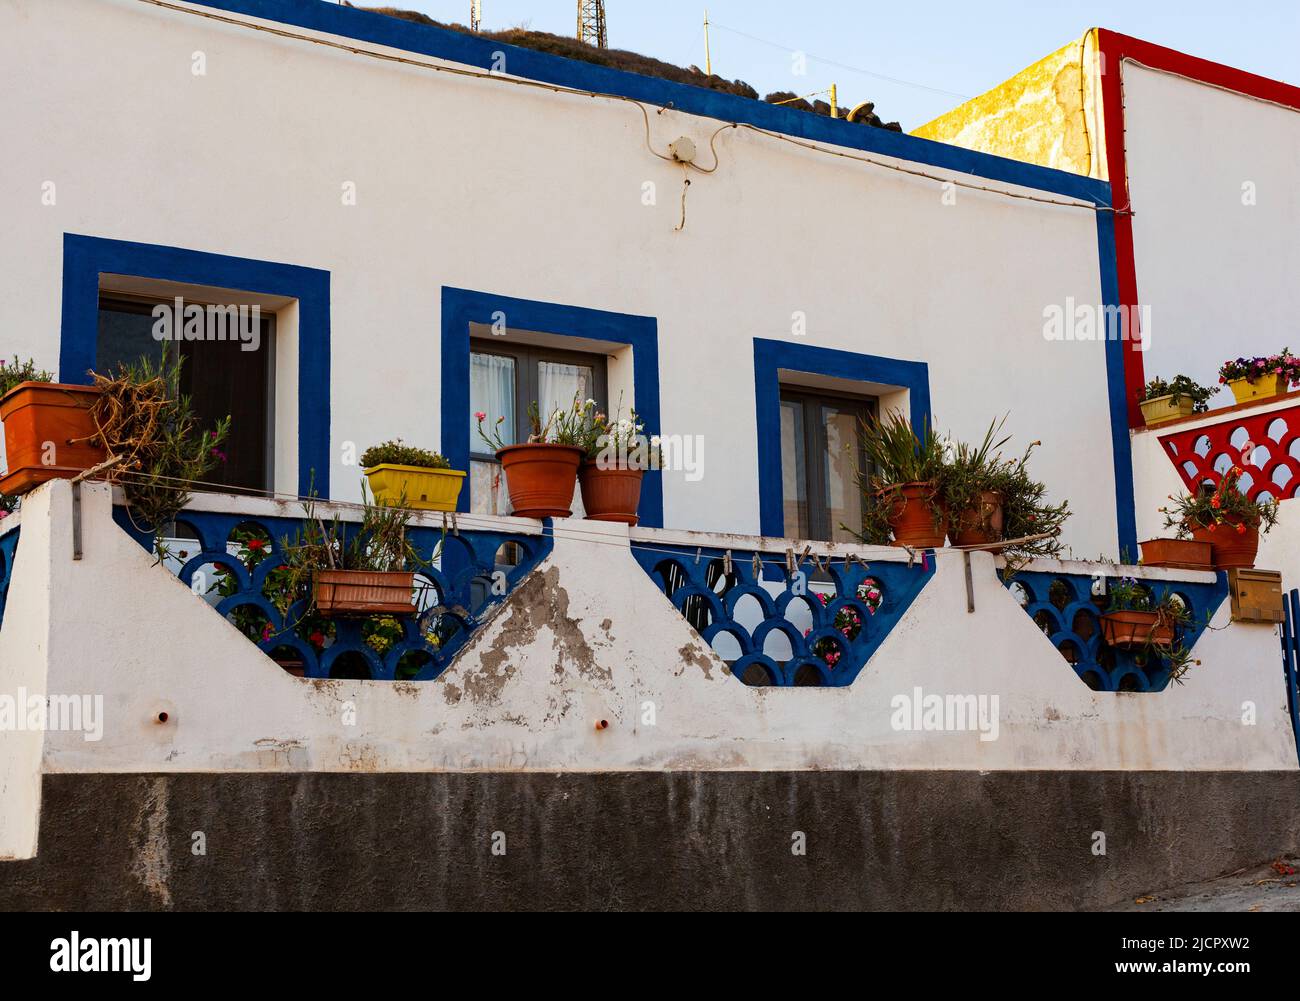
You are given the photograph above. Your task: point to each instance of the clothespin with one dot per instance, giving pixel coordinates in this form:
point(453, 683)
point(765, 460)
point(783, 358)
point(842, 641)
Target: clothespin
point(758, 567)
point(911, 557)
point(789, 561)
point(726, 563)
point(455, 525)
point(698, 554)
point(803, 559)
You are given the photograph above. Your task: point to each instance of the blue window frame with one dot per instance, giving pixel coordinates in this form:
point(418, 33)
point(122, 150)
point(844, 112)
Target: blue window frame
point(461, 308)
point(771, 358)
point(85, 258)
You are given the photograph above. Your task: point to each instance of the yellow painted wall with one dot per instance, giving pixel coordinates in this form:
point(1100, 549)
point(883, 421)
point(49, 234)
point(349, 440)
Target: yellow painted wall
point(1047, 114)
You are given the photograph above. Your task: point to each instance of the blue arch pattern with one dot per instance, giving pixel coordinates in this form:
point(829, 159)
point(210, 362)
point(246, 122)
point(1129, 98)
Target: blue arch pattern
point(1056, 601)
point(8, 547)
point(462, 582)
point(683, 578)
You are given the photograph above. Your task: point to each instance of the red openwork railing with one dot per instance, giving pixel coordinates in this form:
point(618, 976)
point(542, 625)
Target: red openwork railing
point(1267, 445)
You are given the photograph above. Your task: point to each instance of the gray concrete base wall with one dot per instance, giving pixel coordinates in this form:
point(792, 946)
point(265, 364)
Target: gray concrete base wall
point(715, 840)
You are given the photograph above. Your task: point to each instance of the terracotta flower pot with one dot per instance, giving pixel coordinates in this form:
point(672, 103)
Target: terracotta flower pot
point(541, 478)
point(610, 494)
point(342, 593)
point(914, 523)
point(1231, 547)
point(47, 432)
point(1129, 630)
point(979, 525)
point(1178, 554)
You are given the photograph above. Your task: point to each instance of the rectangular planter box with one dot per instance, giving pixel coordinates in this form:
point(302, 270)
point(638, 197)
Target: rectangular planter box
point(45, 424)
point(1261, 389)
point(343, 593)
point(425, 489)
point(1135, 630)
point(1162, 410)
point(1178, 554)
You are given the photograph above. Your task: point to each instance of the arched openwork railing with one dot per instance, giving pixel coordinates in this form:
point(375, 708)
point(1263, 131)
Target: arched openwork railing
point(231, 561)
point(1272, 466)
point(1068, 607)
point(778, 624)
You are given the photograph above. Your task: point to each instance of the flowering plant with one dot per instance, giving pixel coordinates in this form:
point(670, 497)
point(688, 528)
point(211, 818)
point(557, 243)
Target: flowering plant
point(1284, 364)
point(565, 426)
point(620, 442)
point(848, 621)
point(1223, 507)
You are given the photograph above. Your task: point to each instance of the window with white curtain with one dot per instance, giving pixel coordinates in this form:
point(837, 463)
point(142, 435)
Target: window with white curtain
point(504, 381)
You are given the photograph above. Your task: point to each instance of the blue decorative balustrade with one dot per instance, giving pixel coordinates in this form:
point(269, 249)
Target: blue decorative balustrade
point(8, 547)
point(1064, 607)
point(815, 627)
point(232, 559)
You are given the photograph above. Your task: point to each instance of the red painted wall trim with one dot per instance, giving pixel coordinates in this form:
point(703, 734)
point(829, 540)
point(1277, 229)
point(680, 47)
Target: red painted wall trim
point(1115, 48)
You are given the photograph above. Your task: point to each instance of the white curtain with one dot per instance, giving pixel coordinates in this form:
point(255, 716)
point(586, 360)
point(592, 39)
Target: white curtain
point(557, 385)
point(491, 392)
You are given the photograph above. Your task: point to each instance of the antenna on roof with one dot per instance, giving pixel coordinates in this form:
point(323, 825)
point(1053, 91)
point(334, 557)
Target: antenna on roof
point(591, 23)
point(475, 15)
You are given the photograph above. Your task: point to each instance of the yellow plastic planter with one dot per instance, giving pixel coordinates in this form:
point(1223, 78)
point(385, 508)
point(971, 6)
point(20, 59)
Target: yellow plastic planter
point(1162, 410)
point(1261, 389)
point(425, 489)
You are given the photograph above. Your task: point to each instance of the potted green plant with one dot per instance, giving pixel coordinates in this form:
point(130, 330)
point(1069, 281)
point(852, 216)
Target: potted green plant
point(48, 431)
point(426, 479)
point(618, 454)
point(542, 475)
point(969, 491)
point(1262, 377)
point(1181, 396)
point(1134, 619)
point(142, 420)
point(903, 492)
point(1225, 518)
point(1029, 518)
point(373, 573)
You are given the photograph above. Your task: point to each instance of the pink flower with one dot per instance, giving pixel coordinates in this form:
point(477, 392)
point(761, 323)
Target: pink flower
point(480, 417)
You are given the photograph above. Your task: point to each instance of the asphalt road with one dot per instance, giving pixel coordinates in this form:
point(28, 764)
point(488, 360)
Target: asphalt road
point(1259, 889)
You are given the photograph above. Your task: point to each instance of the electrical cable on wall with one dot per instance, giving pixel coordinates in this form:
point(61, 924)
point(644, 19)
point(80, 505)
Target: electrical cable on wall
point(559, 89)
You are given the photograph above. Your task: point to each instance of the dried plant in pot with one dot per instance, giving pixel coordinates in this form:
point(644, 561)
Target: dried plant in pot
point(425, 479)
point(150, 428)
point(1225, 518)
point(48, 430)
point(1164, 401)
point(542, 474)
point(618, 454)
point(903, 493)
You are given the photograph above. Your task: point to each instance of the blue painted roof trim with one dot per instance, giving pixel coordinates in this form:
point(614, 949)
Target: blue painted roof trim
point(471, 50)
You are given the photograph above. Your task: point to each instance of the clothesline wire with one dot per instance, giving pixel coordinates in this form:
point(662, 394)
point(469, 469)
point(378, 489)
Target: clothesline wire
point(802, 552)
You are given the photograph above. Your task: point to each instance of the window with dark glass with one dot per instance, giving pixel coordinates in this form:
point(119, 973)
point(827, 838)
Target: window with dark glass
point(221, 378)
point(821, 458)
point(504, 381)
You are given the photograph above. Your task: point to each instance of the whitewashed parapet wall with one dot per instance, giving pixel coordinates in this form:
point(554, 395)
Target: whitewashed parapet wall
point(588, 638)
point(481, 185)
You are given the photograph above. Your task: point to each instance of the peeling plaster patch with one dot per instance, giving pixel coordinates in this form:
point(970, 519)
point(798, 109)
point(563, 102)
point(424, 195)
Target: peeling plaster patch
point(692, 656)
point(152, 864)
point(452, 694)
point(1053, 714)
point(539, 602)
point(406, 689)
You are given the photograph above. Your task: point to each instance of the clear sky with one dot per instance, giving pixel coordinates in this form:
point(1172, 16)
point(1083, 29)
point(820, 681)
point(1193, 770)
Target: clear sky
point(925, 56)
